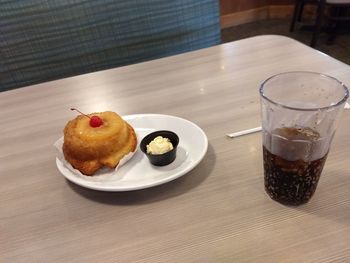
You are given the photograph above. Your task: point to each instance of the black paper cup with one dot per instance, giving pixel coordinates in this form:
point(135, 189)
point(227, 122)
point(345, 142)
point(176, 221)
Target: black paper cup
point(165, 158)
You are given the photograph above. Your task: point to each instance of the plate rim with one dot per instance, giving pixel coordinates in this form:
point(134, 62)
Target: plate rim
point(170, 178)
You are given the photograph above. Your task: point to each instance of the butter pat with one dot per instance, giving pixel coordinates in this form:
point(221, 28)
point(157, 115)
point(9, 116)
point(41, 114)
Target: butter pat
point(159, 145)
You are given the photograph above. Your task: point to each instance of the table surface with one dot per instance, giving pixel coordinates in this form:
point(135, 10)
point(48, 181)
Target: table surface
point(218, 212)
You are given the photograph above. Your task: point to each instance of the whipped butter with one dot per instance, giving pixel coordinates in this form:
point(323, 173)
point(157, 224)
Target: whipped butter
point(159, 145)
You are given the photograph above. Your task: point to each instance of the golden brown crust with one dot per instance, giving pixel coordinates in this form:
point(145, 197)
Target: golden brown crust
point(113, 159)
point(88, 149)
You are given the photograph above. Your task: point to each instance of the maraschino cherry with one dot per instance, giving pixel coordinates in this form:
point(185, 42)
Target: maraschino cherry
point(95, 121)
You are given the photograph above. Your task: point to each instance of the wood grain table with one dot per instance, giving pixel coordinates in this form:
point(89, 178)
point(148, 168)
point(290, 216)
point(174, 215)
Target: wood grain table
point(218, 212)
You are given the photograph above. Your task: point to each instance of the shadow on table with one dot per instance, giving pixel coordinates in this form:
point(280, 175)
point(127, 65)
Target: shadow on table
point(157, 193)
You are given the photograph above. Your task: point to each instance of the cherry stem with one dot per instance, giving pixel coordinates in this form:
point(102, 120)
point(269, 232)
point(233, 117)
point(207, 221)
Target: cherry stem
point(80, 112)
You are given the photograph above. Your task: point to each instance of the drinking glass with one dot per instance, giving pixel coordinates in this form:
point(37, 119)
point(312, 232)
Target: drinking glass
point(300, 111)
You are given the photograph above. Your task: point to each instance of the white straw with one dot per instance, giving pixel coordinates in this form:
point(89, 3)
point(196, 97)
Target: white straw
point(240, 133)
point(257, 129)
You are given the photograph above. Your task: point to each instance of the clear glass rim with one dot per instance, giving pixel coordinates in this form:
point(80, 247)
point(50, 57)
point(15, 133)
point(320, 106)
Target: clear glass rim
point(346, 92)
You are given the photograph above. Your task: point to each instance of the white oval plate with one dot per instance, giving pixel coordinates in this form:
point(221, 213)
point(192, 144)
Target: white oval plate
point(138, 172)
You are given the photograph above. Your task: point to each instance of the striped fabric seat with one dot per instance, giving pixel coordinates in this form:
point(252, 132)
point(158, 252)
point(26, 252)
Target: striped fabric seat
point(42, 40)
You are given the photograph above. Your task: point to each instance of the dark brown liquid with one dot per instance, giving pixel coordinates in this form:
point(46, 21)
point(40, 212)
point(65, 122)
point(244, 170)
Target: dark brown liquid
point(292, 182)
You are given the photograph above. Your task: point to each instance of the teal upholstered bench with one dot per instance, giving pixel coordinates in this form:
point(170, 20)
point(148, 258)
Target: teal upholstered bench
point(42, 40)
